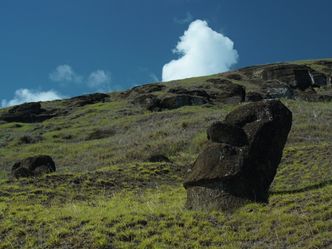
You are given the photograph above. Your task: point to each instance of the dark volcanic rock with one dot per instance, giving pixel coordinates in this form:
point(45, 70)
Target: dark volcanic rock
point(220, 132)
point(148, 101)
point(271, 113)
point(296, 76)
point(33, 108)
point(158, 158)
point(144, 89)
point(219, 81)
point(209, 185)
point(179, 100)
point(217, 90)
point(226, 91)
point(88, 99)
point(227, 175)
point(274, 89)
point(253, 96)
point(318, 79)
point(33, 166)
point(26, 113)
point(176, 98)
point(148, 88)
point(234, 76)
point(190, 92)
point(217, 161)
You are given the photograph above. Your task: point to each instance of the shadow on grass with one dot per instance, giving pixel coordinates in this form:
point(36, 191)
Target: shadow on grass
point(301, 190)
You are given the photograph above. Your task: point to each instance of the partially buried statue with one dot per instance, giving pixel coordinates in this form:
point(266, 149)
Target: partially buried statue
point(241, 159)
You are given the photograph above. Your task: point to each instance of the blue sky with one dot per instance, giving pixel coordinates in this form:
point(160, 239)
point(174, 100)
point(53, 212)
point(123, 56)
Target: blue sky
point(64, 48)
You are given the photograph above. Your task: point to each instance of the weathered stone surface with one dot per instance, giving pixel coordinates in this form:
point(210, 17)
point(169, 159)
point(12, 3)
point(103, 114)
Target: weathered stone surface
point(274, 89)
point(88, 99)
point(226, 91)
point(33, 107)
point(296, 76)
point(227, 175)
point(144, 89)
point(215, 90)
point(148, 88)
point(26, 113)
point(253, 96)
point(148, 101)
point(174, 101)
point(267, 124)
point(223, 91)
point(219, 81)
point(220, 132)
point(190, 92)
point(271, 113)
point(318, 79)
point(216, 162)
point(33, 166)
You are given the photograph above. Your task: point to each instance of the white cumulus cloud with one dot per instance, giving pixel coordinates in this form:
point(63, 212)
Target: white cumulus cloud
point(26, 95)
point(99, 78)
point(64, 73)
point(202, 51)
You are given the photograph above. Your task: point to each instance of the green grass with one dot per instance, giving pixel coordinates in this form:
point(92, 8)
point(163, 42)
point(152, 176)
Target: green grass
point(155, 218)
point(106, 195)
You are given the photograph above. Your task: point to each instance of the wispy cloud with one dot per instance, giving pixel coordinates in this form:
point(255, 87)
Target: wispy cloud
point(27, 95)
point(99, 78)
point(154, 77)
point(187, 19)
point(65, 73)
point(202, 51)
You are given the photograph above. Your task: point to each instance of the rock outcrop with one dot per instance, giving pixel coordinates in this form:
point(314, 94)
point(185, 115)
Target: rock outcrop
point(274, 89)
point(296, 76)
point(318, 79)
point(273, 81)
point(217, 90)
point(144, 89)
point(226, 92)
point(253, 96)
point(27, 113)
point(283, 80)
point(88, 99)
point(33, 166)
point(173, 101)
point(148, 101)
point(241, 159)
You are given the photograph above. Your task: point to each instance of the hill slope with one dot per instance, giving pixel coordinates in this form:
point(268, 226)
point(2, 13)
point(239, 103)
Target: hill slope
point(107, 193)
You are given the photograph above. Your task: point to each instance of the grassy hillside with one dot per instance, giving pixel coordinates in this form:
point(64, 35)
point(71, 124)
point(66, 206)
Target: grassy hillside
point(106, 194)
